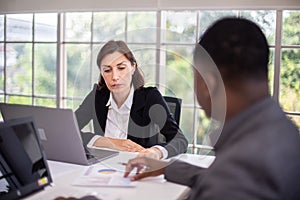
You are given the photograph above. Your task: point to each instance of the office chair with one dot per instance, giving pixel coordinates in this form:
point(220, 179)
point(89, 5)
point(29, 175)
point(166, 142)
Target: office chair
point(174, 105)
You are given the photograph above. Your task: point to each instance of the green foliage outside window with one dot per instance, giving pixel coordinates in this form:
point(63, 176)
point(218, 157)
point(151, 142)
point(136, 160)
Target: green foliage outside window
point(289, 95)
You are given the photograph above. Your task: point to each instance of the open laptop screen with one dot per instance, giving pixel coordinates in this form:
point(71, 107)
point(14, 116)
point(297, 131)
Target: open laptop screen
point(23, 166)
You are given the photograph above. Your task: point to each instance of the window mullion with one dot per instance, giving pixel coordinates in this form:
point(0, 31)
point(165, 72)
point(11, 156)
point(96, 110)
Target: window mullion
point(91, 50)
point(32, 62)
point(277, 61)
point(160, 72)
point(5, 68)
point(126, 26)
point(60, 63)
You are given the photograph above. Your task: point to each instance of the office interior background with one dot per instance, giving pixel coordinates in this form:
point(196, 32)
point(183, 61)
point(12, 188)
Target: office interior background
point(48, 49)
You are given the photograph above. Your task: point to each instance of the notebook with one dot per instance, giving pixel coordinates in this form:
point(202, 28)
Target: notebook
point(59, 133)
point(23, 166)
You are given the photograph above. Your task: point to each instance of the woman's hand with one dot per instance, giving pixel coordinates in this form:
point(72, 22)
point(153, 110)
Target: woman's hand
point(152, 152)
point(118, 144)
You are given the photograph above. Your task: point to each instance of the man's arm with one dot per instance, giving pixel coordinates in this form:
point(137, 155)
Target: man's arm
point(183, 173)
point(175, 171)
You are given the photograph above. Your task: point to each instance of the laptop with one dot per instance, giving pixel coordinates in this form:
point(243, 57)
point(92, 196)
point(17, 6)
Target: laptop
point(23, 165)
point(59, 133)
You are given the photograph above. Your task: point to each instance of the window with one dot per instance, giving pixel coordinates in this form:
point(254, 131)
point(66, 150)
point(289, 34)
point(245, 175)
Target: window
point(289, 93)
point(49, 59)
point(28, 58)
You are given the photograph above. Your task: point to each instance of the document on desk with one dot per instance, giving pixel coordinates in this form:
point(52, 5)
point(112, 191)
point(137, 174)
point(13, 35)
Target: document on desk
point(101, 176)
point(198, 160)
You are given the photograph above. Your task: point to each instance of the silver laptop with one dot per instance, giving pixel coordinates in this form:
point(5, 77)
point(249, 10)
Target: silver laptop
point(59, 133)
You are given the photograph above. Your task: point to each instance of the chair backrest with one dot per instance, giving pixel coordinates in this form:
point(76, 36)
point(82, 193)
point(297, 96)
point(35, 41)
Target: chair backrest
point(174, 105)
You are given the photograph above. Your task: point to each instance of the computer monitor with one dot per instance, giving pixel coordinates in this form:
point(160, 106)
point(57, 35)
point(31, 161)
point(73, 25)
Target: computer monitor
point(23, 166)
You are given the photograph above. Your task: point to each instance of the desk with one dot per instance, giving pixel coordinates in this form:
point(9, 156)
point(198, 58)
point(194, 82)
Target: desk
point(63, 175)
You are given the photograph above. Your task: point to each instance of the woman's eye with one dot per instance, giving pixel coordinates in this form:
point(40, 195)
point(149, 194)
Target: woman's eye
point(106, 70)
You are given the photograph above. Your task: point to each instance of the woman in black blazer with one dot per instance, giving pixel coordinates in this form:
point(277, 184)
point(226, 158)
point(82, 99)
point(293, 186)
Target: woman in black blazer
point(131, 117)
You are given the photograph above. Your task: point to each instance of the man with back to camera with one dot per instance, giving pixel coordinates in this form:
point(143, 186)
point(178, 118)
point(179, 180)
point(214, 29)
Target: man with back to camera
point(258, 151)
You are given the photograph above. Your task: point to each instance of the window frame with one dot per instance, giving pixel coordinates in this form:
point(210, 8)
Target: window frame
point(61, 71)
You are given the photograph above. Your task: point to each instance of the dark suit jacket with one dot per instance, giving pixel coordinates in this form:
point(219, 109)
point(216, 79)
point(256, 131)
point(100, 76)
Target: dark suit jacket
point(150, 123)
point(257, 157)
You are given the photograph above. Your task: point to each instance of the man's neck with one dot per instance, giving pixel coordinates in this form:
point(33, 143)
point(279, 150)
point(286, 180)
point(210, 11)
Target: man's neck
point(248, 94)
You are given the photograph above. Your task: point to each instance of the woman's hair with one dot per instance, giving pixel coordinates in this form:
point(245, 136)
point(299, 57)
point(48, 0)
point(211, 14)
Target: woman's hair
point(121, 47)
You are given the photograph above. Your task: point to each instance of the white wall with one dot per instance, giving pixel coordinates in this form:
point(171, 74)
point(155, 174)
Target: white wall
point(19, 6)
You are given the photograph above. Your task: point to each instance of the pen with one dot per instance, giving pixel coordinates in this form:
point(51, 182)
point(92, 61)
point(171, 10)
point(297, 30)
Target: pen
point(122, 163)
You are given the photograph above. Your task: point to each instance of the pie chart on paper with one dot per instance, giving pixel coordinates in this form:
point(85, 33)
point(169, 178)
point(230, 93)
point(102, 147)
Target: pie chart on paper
point(107, 171)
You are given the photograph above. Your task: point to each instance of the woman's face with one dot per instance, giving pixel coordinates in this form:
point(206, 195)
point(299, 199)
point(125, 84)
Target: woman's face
point(117, 72)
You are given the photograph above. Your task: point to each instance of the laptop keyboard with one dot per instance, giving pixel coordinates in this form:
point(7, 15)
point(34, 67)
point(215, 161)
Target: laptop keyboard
point(89, 156)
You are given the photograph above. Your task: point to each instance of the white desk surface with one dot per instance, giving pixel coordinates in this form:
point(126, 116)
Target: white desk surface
point(63, 174)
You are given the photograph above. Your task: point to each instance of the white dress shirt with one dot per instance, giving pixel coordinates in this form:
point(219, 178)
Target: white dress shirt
point(118, 119)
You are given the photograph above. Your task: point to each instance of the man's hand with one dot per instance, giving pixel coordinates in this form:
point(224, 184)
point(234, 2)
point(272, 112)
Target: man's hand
point(145, 167)
point(118, 144)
